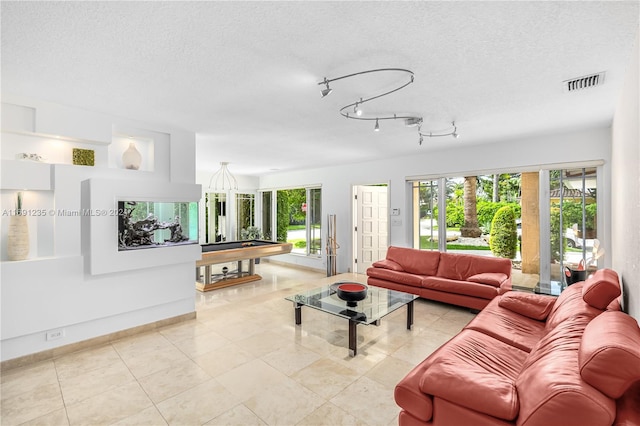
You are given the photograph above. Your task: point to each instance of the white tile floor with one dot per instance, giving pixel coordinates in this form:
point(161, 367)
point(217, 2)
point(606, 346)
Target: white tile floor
point(243, 361)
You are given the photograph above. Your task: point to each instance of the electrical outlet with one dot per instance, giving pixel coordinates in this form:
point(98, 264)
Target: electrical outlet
point(55, 334)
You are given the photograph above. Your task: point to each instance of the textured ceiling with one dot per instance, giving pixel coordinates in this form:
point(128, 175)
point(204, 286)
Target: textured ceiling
point(243, 75)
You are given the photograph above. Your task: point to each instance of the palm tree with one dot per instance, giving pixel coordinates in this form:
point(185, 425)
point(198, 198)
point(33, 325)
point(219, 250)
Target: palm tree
point(470, 228)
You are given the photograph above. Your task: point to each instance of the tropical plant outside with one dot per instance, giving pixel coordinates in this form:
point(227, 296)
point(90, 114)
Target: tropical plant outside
point(504, 236)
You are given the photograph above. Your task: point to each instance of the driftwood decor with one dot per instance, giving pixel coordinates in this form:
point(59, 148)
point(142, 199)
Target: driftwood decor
point(132, 234)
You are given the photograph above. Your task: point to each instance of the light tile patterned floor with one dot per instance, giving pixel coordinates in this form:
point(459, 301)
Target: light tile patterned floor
point(243, 361)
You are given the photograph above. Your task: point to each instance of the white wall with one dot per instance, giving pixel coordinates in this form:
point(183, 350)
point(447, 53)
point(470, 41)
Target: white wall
point(626, 184)
point(54, 289)
point(582, 146)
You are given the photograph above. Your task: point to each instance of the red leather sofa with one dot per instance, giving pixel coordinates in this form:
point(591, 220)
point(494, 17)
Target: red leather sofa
point(459, 279)
point(534, 360)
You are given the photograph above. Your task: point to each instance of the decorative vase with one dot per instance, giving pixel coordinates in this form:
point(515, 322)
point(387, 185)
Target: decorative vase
point(18, 238)
point(131, 158)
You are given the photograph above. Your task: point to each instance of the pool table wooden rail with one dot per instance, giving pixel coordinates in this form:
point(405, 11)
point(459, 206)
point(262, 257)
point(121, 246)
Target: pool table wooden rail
point(235, 254)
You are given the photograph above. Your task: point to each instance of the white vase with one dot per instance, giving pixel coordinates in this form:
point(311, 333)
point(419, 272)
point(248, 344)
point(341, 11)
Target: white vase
point(131, 158)
point(18, 238)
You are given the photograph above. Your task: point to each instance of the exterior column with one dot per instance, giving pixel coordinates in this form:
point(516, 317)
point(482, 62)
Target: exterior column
point(530, 245)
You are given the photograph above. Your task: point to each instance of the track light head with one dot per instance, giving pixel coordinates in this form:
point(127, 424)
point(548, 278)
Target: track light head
point(455, 130)
point(377, 128)
point(326, 91)
point(357, 110)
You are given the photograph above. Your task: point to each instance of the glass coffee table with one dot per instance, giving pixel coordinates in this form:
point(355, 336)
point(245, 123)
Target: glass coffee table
point(378, 303)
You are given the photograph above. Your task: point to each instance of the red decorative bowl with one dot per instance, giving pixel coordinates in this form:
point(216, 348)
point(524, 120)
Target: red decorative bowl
point(351, 292)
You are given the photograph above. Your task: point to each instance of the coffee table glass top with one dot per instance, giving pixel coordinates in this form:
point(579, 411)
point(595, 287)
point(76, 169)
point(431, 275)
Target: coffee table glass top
point(553, 288)
point(378, 303)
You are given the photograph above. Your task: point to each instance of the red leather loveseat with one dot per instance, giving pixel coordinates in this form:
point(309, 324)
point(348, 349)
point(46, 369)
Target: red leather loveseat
point(460, 279)
point(534, 360)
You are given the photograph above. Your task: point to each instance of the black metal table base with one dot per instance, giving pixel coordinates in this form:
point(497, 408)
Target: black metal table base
point(353, 333)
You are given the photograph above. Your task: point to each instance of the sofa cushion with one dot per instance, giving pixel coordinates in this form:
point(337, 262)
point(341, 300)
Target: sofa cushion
point(569, 304)
point(467, 288)
point(534, 306)
point(458, 266)
point(478, 372)
point(610, 353)
point(601, 288)
point(387, 264)
point(395, 276)
point(508, 326)
point(422, 262)
point(551, 381)
point(490, 278)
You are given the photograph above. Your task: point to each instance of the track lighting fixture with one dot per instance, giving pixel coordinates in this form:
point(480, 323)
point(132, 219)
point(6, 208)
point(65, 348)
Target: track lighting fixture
point(453, 131)
point(326, 91)
point(410, 120)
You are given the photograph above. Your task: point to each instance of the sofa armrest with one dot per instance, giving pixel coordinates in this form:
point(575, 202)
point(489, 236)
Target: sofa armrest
point(534, 306)
point(388, 264)
point(609, 357)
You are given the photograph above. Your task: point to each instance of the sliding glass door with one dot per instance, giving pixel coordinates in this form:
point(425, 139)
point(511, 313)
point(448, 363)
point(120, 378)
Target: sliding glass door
point(555, 211)
point(572, 213)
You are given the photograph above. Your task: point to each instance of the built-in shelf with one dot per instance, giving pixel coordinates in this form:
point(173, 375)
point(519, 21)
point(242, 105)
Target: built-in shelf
point(26, 175)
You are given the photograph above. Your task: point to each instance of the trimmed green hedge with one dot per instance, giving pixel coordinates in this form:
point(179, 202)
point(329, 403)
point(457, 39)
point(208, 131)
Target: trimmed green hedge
point(504, 235)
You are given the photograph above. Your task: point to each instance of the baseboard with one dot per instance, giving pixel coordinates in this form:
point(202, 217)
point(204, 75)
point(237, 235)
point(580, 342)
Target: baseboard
point(293, 265)
point(94, 342)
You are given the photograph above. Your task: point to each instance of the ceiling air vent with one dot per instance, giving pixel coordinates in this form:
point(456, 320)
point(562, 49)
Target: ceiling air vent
point(585, 82)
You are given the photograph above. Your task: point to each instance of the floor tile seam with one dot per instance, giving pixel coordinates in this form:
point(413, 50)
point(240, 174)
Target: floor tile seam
point(109, 389)
point(319, 398)
point(83, 401)
point(138, 379)
point(253, 412)
point(156, 404)
point(4, 397)
point(122, 352)
point(92, 370)
point(327, 399)
point(62, 396)
point(391, 398)
point(183, 342)
point(171, 344)
point(181, 326)
point(129, 368)
point(31, 419)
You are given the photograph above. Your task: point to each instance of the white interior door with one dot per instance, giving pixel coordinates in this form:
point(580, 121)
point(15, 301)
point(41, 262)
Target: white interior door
point(371, 226)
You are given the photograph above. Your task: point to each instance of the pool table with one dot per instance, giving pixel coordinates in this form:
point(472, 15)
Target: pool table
point(234, 251)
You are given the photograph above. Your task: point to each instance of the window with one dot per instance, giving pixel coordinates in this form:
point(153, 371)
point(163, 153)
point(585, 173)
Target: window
point(298, 218)
point(215, 217)
point(314, 221)
point(267, 215)
point(426, 212)
point(245, 213)
point(455, 213)
point(573, 225)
